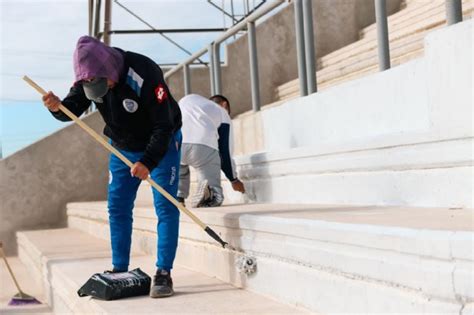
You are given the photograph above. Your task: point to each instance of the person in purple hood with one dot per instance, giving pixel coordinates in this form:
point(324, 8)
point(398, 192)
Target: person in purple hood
point(143, 121)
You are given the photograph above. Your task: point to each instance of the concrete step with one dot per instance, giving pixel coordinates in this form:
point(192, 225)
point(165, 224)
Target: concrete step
point(368, 43)
point(409, 38)
point(382, 260)
point(412, 47)
point(27, 283)
point(406, 39)
point(416, 12)
point(354, 71)
point(396, 19)
point(66, 258)
point(405, 13)
point(399, 48)
point(145, 195)
point(415, 2)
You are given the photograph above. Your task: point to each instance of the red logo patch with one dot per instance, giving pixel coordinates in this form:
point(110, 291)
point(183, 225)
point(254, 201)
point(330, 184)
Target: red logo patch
point(160, 93)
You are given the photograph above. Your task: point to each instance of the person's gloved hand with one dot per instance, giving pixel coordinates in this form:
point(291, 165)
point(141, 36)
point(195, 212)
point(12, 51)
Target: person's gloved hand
point(51, 101)
point(140, 170)
point(237, 185)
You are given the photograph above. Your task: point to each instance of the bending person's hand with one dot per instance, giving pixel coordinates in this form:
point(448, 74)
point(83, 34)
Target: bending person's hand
point(237, 185)
point(139, 170)
point(51, 101)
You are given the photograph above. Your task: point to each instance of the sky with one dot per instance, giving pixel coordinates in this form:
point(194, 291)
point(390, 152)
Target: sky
point(37, 38)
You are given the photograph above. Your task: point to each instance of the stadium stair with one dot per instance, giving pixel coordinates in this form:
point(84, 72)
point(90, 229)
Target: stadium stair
point(63, 259)
point(325, 259)
point(407, 29)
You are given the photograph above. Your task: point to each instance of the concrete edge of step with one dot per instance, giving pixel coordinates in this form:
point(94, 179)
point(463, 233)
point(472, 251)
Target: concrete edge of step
point(353, 75)
point(438, 11)
point(197, 240)
point(63, 287)
point(370, 44)
point(200, 252)
point(439, 244)
point(49, 275)
point(42, 309)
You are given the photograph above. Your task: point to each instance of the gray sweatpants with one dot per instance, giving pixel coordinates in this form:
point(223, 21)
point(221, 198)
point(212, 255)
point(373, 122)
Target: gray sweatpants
point(207, 163)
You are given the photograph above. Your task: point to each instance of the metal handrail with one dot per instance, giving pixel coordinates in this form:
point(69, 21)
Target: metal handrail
point(305, 46)
point(232, 31)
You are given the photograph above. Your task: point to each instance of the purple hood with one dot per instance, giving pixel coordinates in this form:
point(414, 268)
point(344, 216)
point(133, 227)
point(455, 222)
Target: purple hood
point(94, 59)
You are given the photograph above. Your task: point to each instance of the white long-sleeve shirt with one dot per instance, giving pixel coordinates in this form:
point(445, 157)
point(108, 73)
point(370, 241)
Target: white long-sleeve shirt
point(206, 123)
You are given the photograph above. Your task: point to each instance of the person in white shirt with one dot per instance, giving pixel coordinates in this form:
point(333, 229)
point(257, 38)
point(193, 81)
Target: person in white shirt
point(207, 148)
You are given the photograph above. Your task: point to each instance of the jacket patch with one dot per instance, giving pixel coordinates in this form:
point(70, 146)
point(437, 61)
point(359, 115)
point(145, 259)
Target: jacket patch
point(134, 81)
point(130, 105)
point(160, 93)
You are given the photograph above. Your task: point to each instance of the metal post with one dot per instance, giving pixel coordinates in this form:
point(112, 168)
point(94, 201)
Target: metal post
point(382, 34)
point(217, 69)
point(187, 79)
point(300, 50)
point(90, 16)
point(97, 18)
point(453, 11)
point(107, 21)
point(223, 13)
point(254, 80)
point(94, 18)
point(210, 51)
point(242, 24)
point(232, 12)
point(309, 46)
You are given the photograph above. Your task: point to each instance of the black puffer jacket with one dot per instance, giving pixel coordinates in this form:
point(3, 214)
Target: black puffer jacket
point(139, 112)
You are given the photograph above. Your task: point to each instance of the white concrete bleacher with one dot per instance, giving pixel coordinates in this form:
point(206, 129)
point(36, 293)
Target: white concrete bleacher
point(327, 259)
point(397, 137)
point(407, 29)
point(310, 259)
point(61, 260)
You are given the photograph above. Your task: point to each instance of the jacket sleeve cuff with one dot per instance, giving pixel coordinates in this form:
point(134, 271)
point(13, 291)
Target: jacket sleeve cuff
point(59, 115)
point(149, 163)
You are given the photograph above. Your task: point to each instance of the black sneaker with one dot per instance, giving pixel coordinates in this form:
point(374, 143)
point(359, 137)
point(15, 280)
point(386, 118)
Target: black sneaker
point(181, 201)
point(162, 285)
point(215, 200)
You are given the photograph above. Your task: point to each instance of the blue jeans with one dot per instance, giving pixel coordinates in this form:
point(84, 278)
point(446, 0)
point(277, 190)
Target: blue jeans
point(121, 197)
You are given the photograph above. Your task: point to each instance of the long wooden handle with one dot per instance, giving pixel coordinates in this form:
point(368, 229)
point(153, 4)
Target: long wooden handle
point(2, 253)
point(109, 147)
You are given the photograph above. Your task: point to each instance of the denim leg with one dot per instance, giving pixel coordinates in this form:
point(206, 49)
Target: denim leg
point(121, 196)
